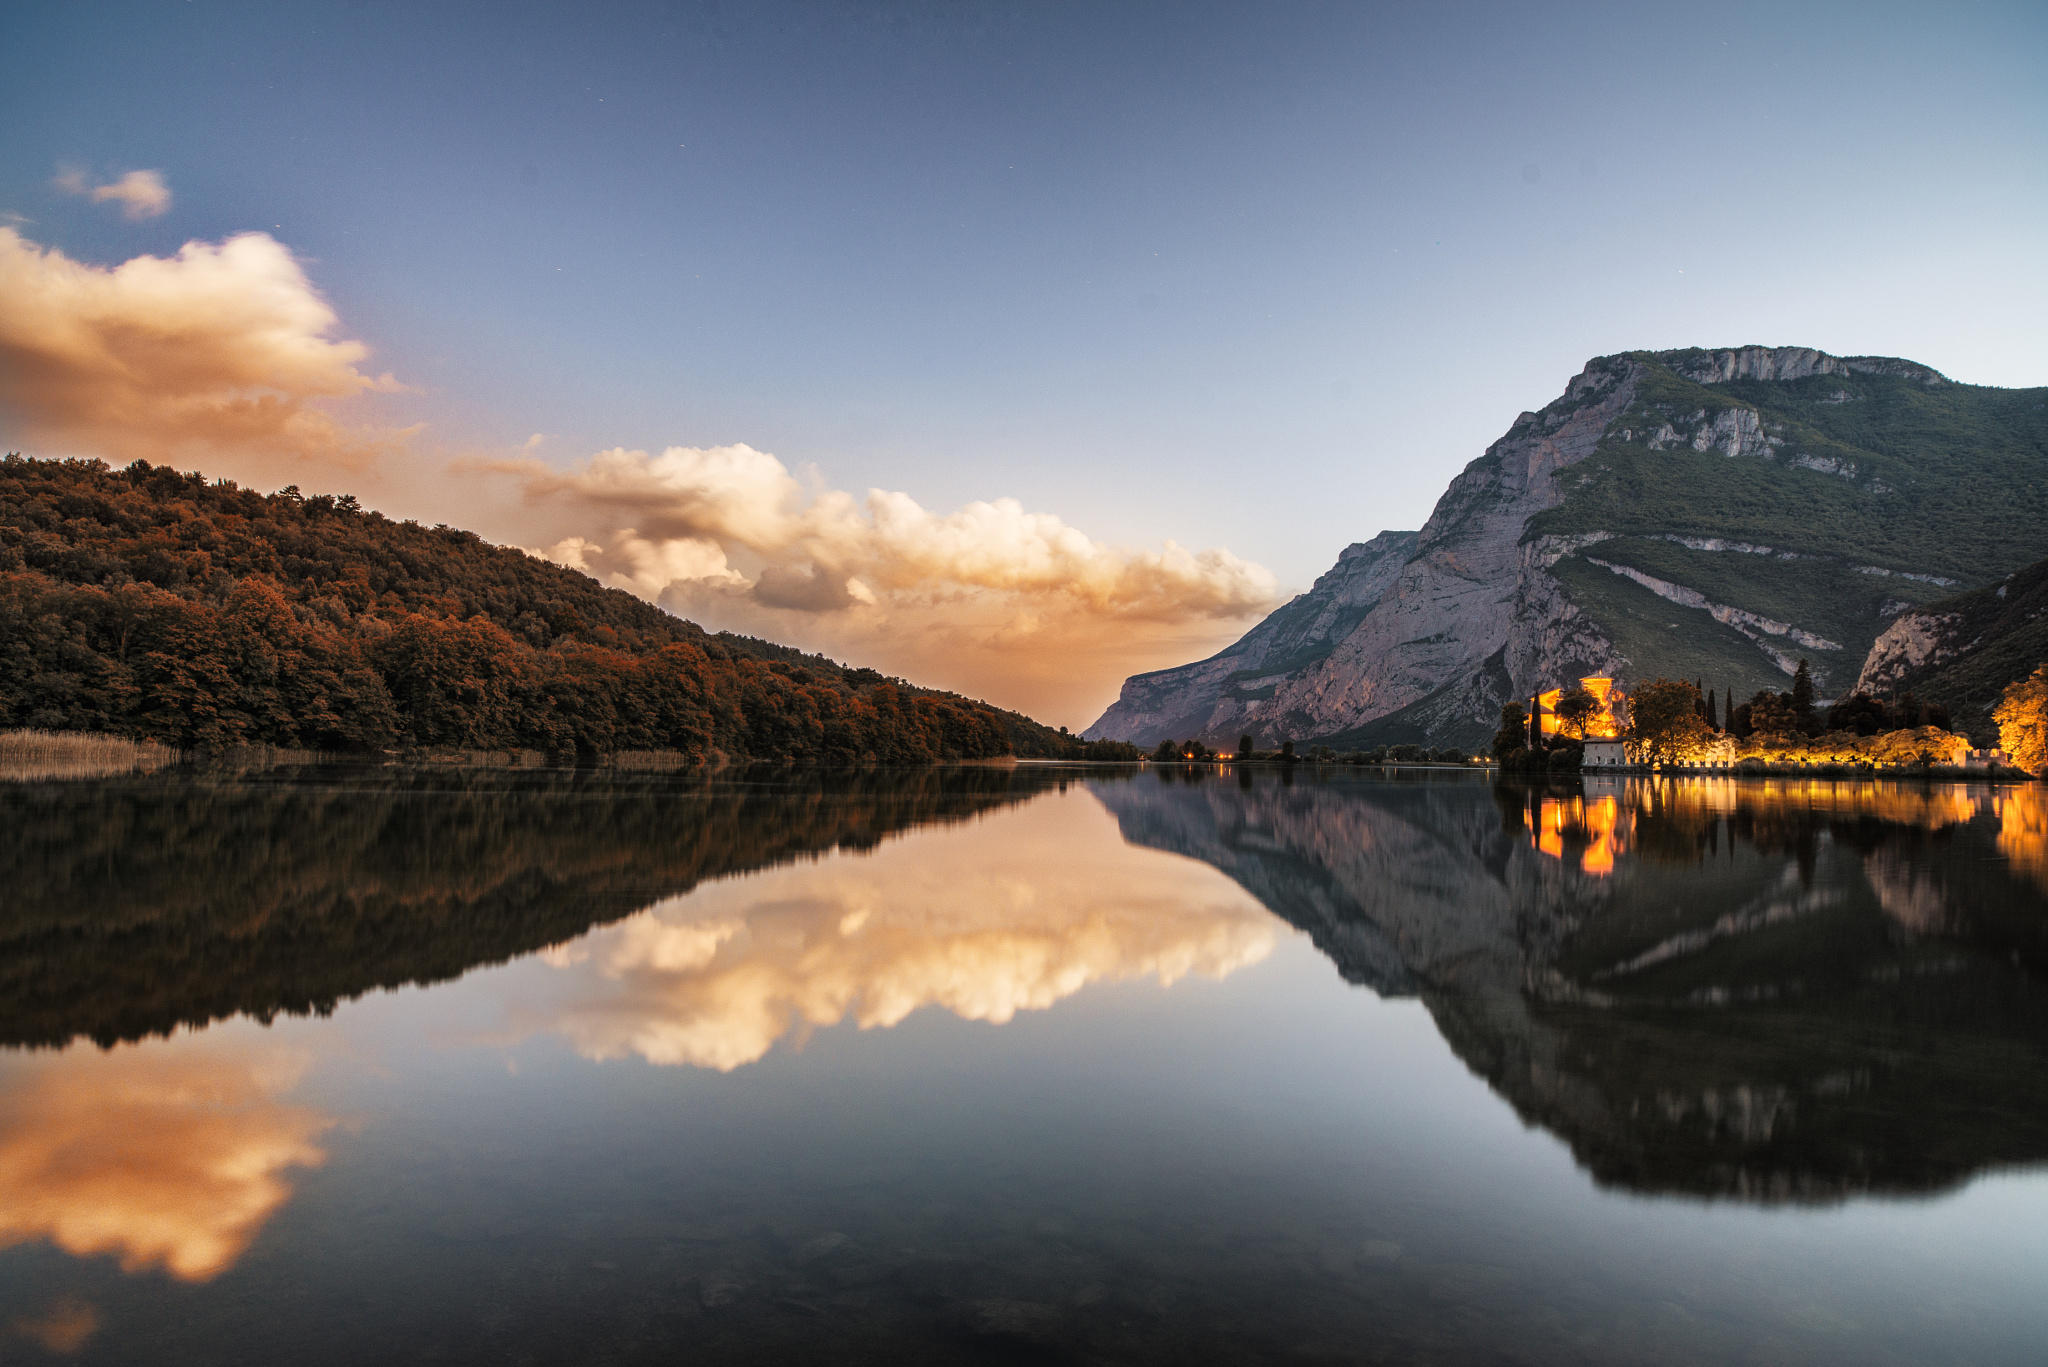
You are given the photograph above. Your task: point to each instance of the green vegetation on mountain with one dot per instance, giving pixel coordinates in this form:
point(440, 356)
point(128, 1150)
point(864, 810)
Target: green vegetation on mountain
point(146, 602)
point(1828, 504)
point(1687, 640)
point(1985, 640)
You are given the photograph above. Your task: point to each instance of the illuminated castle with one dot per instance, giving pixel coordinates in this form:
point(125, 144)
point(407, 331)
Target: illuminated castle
point(1600, 730)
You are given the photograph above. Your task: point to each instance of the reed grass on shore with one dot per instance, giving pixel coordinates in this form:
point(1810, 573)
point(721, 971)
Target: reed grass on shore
point(30, 754)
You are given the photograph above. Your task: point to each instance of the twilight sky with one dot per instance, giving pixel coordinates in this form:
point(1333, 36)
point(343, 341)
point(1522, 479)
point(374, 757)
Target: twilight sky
point(1137, 313)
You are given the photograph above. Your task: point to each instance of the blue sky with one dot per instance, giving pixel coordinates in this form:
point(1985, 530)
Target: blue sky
point(1256, 277)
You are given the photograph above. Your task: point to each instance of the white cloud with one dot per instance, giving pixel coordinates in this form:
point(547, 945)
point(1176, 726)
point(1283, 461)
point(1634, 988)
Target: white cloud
point(214, 351)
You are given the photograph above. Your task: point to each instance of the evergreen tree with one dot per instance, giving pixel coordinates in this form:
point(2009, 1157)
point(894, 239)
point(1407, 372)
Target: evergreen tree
point(1713, 711)
point(1802, 697)
point(1513, 734)
point(1535, 721)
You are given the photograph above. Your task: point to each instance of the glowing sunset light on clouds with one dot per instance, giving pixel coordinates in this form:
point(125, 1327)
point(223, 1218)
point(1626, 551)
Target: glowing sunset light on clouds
point(220, 358)
point(1086, 333)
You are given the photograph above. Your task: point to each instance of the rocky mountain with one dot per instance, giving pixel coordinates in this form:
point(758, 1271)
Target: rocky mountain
point(1222, 694)
point(1961, 652)
point(1696, 514)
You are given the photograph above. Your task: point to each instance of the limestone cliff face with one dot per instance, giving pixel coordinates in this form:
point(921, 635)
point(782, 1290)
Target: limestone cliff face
point(1451, 620)
point(1911, 643)
point(1712, 515)
point(1221, 696)
point(1791, 363)
point(1471, 611)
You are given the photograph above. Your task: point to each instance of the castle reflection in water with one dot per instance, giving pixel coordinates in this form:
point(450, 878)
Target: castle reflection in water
point(1773, 991)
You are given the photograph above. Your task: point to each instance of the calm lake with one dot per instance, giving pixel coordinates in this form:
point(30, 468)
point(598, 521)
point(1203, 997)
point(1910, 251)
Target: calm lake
point(1044, 1064)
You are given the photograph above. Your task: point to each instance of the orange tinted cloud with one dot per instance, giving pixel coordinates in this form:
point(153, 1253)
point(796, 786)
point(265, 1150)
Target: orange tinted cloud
point(164, 1154)
point(992, 598)
point(970, 919)
point(222, 357)
point(141, 194)
point(214, 356)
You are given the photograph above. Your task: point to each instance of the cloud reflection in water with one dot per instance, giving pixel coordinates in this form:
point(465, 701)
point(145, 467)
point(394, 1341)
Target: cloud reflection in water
point(976, 920)
point(167, 1154)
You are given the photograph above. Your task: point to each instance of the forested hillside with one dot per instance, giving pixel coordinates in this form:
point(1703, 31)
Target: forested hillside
point(1963, 651)
point(152, 603)
point(1726, 527)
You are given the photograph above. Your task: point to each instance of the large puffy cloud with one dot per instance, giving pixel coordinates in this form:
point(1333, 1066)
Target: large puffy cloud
point(167, 1154)
point(225, 357)
point(141, 194)
point(992, 598)
point(215, 356)
point(971, 919)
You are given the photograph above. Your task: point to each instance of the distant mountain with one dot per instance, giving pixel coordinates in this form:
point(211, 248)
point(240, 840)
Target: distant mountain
point(148, 602)
point(1710, 515)
point(1216, 696)
point(1961, 652)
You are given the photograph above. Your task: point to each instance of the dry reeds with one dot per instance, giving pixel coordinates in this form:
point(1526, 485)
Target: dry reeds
point(28, 755)
point(648, 761)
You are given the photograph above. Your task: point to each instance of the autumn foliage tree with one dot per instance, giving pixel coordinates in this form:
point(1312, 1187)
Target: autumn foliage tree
point(1664, 720)
point(2022, 718)
point(149, 603)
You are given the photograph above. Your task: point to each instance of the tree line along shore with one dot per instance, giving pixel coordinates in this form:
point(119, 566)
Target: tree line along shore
point(154, 605)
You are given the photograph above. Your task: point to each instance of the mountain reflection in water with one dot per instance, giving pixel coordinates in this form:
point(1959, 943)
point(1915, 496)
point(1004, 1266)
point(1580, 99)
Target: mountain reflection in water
point(686, 1091)
point(1769, 990)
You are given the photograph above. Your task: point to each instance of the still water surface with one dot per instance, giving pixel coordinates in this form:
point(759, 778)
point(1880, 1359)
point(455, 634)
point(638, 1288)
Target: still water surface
point(1035, 1065)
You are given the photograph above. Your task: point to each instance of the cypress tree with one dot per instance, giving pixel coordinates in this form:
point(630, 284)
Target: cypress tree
point(1802, 696)
point(1535, 721)
point(1713, 712)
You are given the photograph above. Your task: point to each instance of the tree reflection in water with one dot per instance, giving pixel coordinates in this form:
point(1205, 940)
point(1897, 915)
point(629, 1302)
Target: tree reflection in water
point(137, 907)
point(1778, 990)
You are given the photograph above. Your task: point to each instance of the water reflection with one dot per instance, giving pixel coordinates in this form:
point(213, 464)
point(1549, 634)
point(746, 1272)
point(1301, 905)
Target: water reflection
point(984, 922)
point(62, 1327)
point(1769, 991)
point(177, 903)
point(133, 908)
point(163, 1156)
point(1772, 992)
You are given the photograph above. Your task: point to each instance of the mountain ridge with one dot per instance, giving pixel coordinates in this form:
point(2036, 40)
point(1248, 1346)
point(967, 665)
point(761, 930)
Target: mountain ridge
point(1716, 514)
